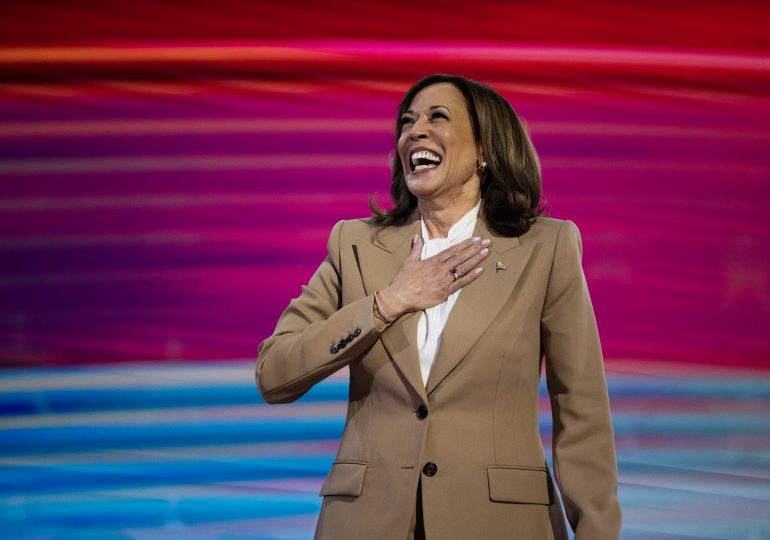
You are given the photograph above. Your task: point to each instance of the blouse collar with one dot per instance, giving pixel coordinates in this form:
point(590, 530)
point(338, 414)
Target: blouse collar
point(460, 230)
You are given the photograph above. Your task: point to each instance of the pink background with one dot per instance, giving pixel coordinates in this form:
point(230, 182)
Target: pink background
point(169, 175)
point(170, 172)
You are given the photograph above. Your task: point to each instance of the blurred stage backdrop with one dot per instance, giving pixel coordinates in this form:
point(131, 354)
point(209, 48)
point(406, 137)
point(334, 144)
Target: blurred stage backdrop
point(169, 174)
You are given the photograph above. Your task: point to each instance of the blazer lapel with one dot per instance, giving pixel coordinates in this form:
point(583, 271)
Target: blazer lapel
point(479, 302)
point(379, 262)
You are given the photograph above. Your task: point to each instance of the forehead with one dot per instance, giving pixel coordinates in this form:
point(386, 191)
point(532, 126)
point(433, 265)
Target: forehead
point(445, 94)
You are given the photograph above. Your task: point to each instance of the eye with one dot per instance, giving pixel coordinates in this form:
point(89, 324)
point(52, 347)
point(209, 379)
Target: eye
point(439, 115)
point(406, 120)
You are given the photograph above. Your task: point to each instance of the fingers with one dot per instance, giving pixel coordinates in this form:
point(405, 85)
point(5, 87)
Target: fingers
point(465, 280)
point(468, 254)
point(469, 264)
point(455, 250)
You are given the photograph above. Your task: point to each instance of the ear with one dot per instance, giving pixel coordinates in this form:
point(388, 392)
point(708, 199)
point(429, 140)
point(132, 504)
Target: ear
point(481, 165)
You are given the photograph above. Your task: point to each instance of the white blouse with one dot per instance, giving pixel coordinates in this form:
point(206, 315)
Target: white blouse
point(432, 320)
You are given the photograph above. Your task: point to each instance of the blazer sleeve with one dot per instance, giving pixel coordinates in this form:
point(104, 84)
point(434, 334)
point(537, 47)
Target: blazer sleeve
point(583, 441)
point(315, 335)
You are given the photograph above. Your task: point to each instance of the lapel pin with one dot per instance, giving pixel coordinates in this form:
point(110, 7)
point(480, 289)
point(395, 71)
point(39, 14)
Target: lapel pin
point(500, 266)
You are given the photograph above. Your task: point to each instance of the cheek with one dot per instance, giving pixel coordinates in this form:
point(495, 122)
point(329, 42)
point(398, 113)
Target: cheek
point(400, 150)
point(463, 150)
point(463, 160)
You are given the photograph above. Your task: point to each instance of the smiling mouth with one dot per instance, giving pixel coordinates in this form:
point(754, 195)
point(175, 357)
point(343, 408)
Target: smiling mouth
point(424, 160)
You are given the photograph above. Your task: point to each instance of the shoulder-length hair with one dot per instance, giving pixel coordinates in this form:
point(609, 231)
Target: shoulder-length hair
point(511, 183)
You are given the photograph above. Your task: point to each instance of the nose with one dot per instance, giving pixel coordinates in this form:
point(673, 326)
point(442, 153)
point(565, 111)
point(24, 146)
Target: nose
point(419, 128)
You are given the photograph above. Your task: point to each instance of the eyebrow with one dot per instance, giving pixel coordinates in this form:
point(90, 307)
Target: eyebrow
point(431, 108)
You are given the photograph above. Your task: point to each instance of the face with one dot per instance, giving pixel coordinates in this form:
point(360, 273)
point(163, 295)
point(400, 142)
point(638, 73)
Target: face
point(436, 146)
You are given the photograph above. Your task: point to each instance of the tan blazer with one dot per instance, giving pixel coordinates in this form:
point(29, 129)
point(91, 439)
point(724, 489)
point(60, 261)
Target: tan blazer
point(471, 435)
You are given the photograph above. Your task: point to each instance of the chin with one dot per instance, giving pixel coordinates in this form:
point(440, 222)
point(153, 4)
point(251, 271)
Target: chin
point(418, 190)
point(422, 185)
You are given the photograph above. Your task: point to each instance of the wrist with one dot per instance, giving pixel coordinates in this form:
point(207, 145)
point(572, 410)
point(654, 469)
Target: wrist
point(379, 310)
point(389, 304)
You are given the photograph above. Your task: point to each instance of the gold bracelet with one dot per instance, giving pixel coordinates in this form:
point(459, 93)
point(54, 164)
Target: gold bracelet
point(378, 311)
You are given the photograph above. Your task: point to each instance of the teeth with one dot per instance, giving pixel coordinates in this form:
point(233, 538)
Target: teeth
point(421, 167)
point(425, 154)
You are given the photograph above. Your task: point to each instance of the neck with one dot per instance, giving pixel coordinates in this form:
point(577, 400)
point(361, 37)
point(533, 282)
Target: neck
point(439, 217)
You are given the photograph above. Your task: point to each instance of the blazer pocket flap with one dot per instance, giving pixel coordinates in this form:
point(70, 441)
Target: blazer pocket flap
point(345, 478)
point(520, 485)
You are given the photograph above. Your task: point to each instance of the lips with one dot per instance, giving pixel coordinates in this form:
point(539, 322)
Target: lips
point(423, 160)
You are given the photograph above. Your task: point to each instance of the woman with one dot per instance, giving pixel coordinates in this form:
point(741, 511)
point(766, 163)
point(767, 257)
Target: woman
point(443, 309)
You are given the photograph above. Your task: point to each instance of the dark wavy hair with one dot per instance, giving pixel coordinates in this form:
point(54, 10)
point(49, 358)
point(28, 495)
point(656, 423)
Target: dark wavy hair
point(510, 185)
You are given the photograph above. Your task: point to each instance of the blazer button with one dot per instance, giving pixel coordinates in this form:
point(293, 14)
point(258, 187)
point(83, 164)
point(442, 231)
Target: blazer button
point(429, 469)
point(422, 412)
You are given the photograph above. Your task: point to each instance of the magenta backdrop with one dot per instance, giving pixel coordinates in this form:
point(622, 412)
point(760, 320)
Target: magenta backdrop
point(170, 174)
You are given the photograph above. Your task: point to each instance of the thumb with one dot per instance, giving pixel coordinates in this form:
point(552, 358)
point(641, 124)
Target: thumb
point(416, 252)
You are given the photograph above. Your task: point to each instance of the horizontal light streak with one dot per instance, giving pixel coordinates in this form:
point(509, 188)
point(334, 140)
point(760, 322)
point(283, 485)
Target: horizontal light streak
point(720, 165)
point(347, 51)
point(169, 415)
point(577, 93)
point(245, 236)
point(184, 453)
point(171, 200)
point(158, 374)
point(620, 369)
point(130, 87)
point(194, 162)
point(90, 240)
point(615, 56)
point(104, 514)
point(656, 131)
point(155, 127)
point(221, 372)
point(190, 127)
point(177, 53)
point(157, 238)
point(170, 276)
point(378, 162)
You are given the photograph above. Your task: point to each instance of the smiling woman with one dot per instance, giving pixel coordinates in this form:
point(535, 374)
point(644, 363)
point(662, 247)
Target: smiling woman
point(442, 437)
point(438, 152)
point(479, 121)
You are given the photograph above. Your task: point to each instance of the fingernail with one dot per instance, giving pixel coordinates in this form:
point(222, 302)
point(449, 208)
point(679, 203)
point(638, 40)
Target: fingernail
point(479, 270)
point(486, 242)
point(476, 238)
point(484, 251)
point(416, 236)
